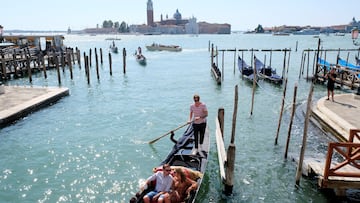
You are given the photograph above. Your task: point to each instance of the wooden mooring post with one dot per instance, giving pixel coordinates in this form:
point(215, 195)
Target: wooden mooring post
point(303, 146)
point(226, 159)
point(281, 113)
point(124, 60)
point(291, 120)
point(110, 63)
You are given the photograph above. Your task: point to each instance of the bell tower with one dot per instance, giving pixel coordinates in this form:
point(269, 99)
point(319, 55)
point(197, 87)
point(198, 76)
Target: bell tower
point(150, 13)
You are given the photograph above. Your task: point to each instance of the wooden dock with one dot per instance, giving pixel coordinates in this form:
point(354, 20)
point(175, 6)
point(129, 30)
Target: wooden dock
point(16, 102)
point(340, 169)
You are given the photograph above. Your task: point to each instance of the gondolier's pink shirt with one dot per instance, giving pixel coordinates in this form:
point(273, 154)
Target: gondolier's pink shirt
point(199, 112)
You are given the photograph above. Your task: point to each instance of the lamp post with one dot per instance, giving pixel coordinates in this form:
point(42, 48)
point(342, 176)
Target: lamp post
point(354, 37)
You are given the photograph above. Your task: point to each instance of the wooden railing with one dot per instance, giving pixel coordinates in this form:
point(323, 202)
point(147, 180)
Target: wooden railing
point(349, 153)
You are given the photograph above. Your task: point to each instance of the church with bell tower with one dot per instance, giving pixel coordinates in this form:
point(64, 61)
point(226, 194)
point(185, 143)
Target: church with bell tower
point(177, 25)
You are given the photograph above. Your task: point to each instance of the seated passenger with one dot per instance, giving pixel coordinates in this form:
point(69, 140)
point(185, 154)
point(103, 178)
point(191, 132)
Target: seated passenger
point(181, 187)
point(164, 182)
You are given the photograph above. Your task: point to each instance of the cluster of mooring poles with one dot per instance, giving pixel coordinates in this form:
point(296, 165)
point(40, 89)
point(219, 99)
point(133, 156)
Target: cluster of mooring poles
point(24, 62)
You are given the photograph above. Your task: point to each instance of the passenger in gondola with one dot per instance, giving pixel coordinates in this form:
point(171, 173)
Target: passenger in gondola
point(181, 188)
point(163, 185)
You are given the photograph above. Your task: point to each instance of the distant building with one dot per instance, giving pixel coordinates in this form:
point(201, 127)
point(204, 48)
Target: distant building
point(177, 25)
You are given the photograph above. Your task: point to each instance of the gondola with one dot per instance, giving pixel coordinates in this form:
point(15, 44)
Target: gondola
point(216, 73)
point(114, 48)
point(181, 156)
point(245, 70)
point(140, 58)
point(267, 72)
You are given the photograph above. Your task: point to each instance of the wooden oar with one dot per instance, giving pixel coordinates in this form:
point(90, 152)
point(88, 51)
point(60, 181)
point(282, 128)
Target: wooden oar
point(154, 140)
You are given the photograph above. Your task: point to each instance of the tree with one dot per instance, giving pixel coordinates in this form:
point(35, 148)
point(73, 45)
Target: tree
point(123, 27)
point(116, 25)
point(108, 24)
point(259, 29)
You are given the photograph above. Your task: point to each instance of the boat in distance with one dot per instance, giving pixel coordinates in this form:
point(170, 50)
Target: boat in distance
point(181, 156)
point(161, 47)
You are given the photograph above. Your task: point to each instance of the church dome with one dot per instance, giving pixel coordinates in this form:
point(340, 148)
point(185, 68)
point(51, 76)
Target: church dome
point(177, 15)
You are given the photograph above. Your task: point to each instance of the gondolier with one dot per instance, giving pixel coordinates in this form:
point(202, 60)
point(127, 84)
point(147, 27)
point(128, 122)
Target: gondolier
point(198, 114)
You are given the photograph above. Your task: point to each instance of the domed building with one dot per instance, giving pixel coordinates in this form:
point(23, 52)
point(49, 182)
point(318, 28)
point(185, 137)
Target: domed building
point(177, 25)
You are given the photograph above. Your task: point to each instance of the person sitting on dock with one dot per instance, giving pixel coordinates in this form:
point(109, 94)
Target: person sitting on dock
point(164, 182)
point(331, 76)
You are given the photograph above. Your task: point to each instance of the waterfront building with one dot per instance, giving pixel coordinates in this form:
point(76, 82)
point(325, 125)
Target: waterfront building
point(177, 25)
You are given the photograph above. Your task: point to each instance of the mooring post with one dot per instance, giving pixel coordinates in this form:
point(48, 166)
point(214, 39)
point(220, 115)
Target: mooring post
point(97, 65)
point(70, 64)
point(87, 69)
point(212, 55)
point(308, 64)
point(303, 146)
point(291, 120)
point(254, 83)
point(317, 58)
point(222, 65)
point(281, 112)
point(110, 63)
point(124, 60)
point(90, 57)
point(234, 60)
point(57, 66)
point(28, 68)
point(3, 66)
point(230, 164)
point(221, 113)
point(43, 65)
point(101, 56)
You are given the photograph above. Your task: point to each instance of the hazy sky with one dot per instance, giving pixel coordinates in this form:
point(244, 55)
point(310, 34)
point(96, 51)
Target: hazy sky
point(241, 14)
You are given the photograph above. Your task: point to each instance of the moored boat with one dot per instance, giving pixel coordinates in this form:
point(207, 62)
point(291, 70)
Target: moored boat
point(216, 73)
point(161, 47)
point(267, 72)
point(194, 166)
point(246, 71)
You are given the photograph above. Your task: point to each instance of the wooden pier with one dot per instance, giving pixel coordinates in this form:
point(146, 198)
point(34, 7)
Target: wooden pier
point(340, 168)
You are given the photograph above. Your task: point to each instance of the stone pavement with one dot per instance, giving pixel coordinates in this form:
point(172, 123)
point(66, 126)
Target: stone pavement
point(339, 116)
point(18, 101)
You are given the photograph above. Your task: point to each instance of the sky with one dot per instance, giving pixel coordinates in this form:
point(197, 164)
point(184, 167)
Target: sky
point(242, 15)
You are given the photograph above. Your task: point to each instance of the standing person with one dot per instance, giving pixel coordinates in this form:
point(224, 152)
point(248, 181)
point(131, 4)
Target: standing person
point(164, 182)
point(198, 114)
point(331, 76)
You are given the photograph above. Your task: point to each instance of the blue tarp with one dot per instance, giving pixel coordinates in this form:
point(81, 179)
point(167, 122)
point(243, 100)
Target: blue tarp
point(348, 65)
point(324, 63)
